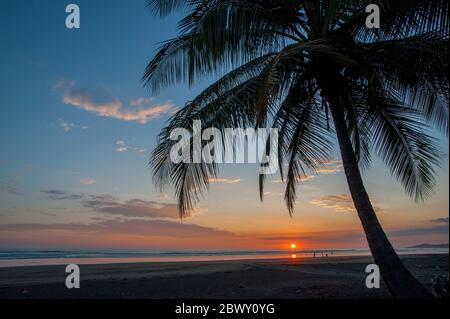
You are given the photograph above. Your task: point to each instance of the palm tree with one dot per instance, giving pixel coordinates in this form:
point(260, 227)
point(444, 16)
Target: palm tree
point(312, 69)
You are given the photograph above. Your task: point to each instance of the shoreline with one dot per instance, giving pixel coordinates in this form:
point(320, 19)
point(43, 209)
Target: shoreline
point(12, 263)
point(288, 255)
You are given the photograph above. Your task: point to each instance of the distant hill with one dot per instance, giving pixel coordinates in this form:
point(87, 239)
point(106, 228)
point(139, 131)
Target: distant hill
point(430, 246)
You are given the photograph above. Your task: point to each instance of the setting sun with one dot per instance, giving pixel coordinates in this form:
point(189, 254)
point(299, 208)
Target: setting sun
point(293, 246)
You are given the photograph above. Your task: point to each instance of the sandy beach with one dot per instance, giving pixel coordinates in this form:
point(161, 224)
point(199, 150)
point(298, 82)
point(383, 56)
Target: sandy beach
point(333, 277)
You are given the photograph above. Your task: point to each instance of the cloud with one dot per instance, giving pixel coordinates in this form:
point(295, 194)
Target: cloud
point(419, 231)
point(326, 236)
point(111, 205)
point(273, 194)
point(88, 181)
point(145, 228)
point(122, 147)
point(68, 126)
point(224, 181)
point(3, 162)
point(102, 103)
point(11, 189)
point(108, 204)
point(329, 170)
point(303, 179)
point(10, 185)
point(339, 203)
point(442, 220)
point(352, 238)
point(332, 167)
point(55, 194)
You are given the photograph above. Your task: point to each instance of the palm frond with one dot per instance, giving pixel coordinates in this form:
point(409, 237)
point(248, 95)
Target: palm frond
point(280, 57)
point(217, 37)
point(308, 148)
point(165, 7)
point(402, 140)
point(415, 69)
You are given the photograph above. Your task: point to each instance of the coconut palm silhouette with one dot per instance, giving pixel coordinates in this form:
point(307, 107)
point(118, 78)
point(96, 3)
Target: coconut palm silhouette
point(315, 71)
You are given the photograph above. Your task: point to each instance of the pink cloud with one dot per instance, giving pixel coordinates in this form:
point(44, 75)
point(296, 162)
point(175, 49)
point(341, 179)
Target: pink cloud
point(101, 103)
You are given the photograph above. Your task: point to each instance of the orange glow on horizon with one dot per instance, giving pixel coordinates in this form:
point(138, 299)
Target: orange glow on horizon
point(294, 256)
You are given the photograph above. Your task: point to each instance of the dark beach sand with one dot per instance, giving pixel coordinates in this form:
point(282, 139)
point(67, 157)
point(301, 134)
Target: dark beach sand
point(333, 277)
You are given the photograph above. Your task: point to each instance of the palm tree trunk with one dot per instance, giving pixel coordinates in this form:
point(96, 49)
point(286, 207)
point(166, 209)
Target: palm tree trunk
point(398, 279)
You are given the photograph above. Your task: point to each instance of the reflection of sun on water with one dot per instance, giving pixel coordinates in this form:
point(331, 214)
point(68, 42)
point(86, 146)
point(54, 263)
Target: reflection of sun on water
point(294, 247)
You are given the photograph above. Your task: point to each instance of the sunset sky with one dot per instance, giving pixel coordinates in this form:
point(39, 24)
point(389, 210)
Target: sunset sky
point(77, 128)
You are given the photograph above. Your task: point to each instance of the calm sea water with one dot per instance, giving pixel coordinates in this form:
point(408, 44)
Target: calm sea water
point(28, 257)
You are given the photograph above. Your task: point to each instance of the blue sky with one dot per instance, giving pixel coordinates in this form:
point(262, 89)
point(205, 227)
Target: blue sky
point(49, 144)
point(103, 54)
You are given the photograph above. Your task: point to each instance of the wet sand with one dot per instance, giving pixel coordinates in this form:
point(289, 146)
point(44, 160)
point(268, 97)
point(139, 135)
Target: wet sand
point(332, 277)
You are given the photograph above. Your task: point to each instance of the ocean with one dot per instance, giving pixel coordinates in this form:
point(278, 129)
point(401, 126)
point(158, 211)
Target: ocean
point(30, 257)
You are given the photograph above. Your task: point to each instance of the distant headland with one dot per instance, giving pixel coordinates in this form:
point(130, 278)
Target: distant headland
point(430, 246)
